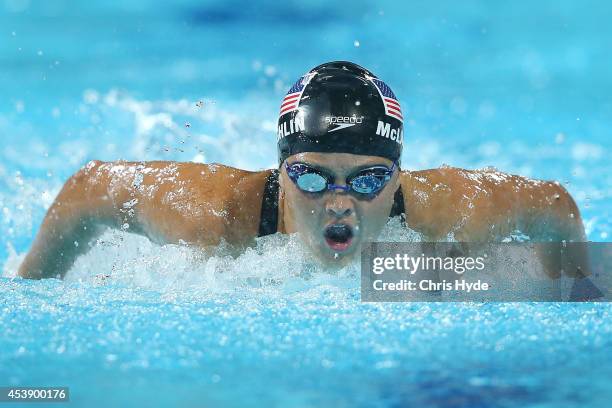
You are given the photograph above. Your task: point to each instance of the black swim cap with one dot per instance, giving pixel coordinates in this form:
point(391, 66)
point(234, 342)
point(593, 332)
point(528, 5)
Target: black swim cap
point(340, 107)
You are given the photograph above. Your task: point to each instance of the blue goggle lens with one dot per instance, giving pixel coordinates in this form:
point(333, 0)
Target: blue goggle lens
point(311, 182)
point(366, 184)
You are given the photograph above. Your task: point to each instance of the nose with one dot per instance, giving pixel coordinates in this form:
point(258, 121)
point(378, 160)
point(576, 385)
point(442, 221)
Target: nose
point(339, 205)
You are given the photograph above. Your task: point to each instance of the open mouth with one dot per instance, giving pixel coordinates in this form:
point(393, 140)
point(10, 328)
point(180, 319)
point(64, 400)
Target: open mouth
point(338, 236)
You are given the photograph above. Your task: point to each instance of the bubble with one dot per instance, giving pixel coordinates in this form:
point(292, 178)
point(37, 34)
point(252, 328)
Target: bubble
point(19, 106)
point(559, 138)
point(90, 96)
point(356, 43)
point(270, 70)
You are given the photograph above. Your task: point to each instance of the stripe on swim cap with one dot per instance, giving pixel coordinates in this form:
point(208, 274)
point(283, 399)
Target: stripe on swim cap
point(292, 99)
point(392, 105)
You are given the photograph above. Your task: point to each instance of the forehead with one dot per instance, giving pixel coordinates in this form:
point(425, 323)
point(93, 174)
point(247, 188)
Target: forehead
point(339, 162)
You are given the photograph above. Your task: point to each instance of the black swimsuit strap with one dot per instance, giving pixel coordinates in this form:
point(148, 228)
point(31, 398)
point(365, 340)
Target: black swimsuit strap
point(268, 223)
point(398, 204)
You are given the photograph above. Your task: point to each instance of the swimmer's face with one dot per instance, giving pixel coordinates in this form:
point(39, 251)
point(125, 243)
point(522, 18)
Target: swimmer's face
point(334, 224)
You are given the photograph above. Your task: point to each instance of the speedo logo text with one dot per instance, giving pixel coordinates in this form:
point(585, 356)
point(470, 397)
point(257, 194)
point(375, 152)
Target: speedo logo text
point(342, 122)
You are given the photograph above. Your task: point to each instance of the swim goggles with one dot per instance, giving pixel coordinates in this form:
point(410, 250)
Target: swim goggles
point(366, 181)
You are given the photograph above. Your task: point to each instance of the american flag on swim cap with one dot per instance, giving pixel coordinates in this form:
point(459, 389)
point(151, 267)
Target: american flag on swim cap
point(292, 99)
point(392, 106)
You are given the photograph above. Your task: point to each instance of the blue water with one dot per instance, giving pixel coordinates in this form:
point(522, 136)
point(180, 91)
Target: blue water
point(521, 86)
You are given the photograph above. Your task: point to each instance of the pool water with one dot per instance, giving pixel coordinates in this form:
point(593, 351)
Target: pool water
point(523, 87)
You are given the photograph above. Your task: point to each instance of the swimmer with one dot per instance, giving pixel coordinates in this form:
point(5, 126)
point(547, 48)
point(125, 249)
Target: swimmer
point(339, 179)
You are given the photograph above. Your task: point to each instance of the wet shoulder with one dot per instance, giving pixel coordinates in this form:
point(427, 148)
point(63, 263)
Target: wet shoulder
point(448, 200)
point(203, 199)
point(431, 198)
point(441, 201)
point(468, 185)
point(234, 194)
point(169, 172)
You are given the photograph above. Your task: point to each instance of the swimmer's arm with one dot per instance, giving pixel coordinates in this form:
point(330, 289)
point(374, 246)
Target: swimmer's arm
point(167, 202)
point(543, 211)
point(550, 214)
point(75, 218)
point(485, 206)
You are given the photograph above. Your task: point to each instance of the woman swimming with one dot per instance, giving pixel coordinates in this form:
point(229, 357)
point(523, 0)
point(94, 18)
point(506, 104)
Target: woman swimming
point(340, 137)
